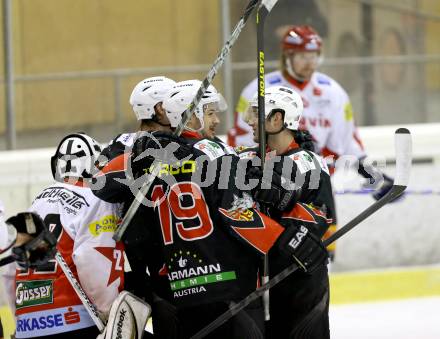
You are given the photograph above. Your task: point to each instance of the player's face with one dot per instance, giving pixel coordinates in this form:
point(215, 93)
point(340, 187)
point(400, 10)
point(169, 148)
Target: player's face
point(304, 64)
point(211, 120)
point(251, 119)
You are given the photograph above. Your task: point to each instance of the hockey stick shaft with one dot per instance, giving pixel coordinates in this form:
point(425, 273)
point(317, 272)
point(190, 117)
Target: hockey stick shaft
point(90, 307)
point(216, 66)
point(262, 13)
point(407, 192)
point(6, 260)
point(403, 165)
point(186, 116)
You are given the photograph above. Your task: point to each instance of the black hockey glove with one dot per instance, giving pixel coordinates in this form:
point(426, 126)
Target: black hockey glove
point(304, 140)
point(374, 176)
point(384, 189)
point(299, 242)
point(276, 196)
point(40, 249)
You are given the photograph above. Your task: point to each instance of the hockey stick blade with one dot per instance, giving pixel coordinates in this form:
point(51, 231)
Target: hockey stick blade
point(403, 146)
point(187, 115)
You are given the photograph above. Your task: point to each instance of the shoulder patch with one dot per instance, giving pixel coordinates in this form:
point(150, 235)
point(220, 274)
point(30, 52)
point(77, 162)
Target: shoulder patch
point(242, 105)
point(126, 139)
point(323, 80)
point(322, 162)
point(210, 148)
point(274, 80)
point(348, 111)
point(303, 161)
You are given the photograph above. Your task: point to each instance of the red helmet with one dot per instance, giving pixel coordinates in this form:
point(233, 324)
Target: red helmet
point(301, 39)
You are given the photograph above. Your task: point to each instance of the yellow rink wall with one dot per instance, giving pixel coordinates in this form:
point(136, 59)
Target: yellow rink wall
point(390, 284)
point(56, 36)
point(358, 287)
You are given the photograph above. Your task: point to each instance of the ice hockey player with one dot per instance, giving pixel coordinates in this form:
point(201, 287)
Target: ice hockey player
point(328, 113)
point(16, 234)
point(207, 230)
point(211, 118)
point(299, 304)
point(146, 101)
point(46, 303)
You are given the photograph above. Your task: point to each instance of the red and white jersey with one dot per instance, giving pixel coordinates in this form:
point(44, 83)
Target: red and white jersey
point(328, 114)
point(46, 303)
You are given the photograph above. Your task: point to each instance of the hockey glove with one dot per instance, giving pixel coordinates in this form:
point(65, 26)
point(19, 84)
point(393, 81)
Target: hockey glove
point(42, 246)
point(374, 176)
point(275, 195)
point(299, 242)
point(384, 189)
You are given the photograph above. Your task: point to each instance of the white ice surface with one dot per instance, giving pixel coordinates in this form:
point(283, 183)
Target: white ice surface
point(403, 319)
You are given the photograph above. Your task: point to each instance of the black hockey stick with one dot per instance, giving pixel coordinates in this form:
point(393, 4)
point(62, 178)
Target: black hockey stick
point(403, 147)
point(187, 114)
point(262, 13)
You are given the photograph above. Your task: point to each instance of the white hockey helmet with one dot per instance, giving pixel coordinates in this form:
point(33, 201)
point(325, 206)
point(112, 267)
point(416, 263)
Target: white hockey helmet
point(180, 97)
point(147, 93)
point(285, 99)
point(75, 157)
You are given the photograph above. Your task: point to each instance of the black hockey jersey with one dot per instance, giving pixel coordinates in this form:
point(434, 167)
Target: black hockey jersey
point(307, 172)
point(207, 231)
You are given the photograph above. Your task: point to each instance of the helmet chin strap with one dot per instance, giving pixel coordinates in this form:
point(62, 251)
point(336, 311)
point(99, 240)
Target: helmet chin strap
point(202, 126)
point(291, 72)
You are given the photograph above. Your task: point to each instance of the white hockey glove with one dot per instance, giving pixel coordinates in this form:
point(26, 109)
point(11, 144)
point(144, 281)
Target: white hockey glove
point(127, 319)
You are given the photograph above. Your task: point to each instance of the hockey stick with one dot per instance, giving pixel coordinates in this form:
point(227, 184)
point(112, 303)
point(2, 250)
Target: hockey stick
point(187, 114)
point(90, 307)
point(407, 192)
point(262, 13)
point(403, 165)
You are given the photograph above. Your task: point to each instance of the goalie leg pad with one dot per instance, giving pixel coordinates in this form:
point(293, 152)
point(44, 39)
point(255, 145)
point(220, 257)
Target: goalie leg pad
point(127, 319)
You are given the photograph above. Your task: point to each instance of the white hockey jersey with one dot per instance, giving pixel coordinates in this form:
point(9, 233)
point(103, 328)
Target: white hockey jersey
point(327, 115)
point(46, 303)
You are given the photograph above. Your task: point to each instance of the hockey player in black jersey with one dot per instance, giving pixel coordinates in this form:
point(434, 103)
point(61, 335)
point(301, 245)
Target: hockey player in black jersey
point(203, 222)
point(299, 304)
point(111, 183)
point(146, 101)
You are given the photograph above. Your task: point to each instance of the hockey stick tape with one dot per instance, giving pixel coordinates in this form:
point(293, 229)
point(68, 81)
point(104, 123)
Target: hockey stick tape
point(269, 4)
point(403, 146)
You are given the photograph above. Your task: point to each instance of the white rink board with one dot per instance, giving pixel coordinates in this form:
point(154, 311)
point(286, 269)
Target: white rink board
point(404, 233)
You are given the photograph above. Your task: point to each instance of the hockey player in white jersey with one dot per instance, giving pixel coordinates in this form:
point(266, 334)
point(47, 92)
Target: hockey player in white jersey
point(46, 303)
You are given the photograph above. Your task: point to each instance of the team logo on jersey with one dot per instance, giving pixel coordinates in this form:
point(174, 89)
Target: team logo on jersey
point(34, 292)
point(186, 166)
point(188, 273)
point(109, 223)
point(69, 199)
point(240, 209)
